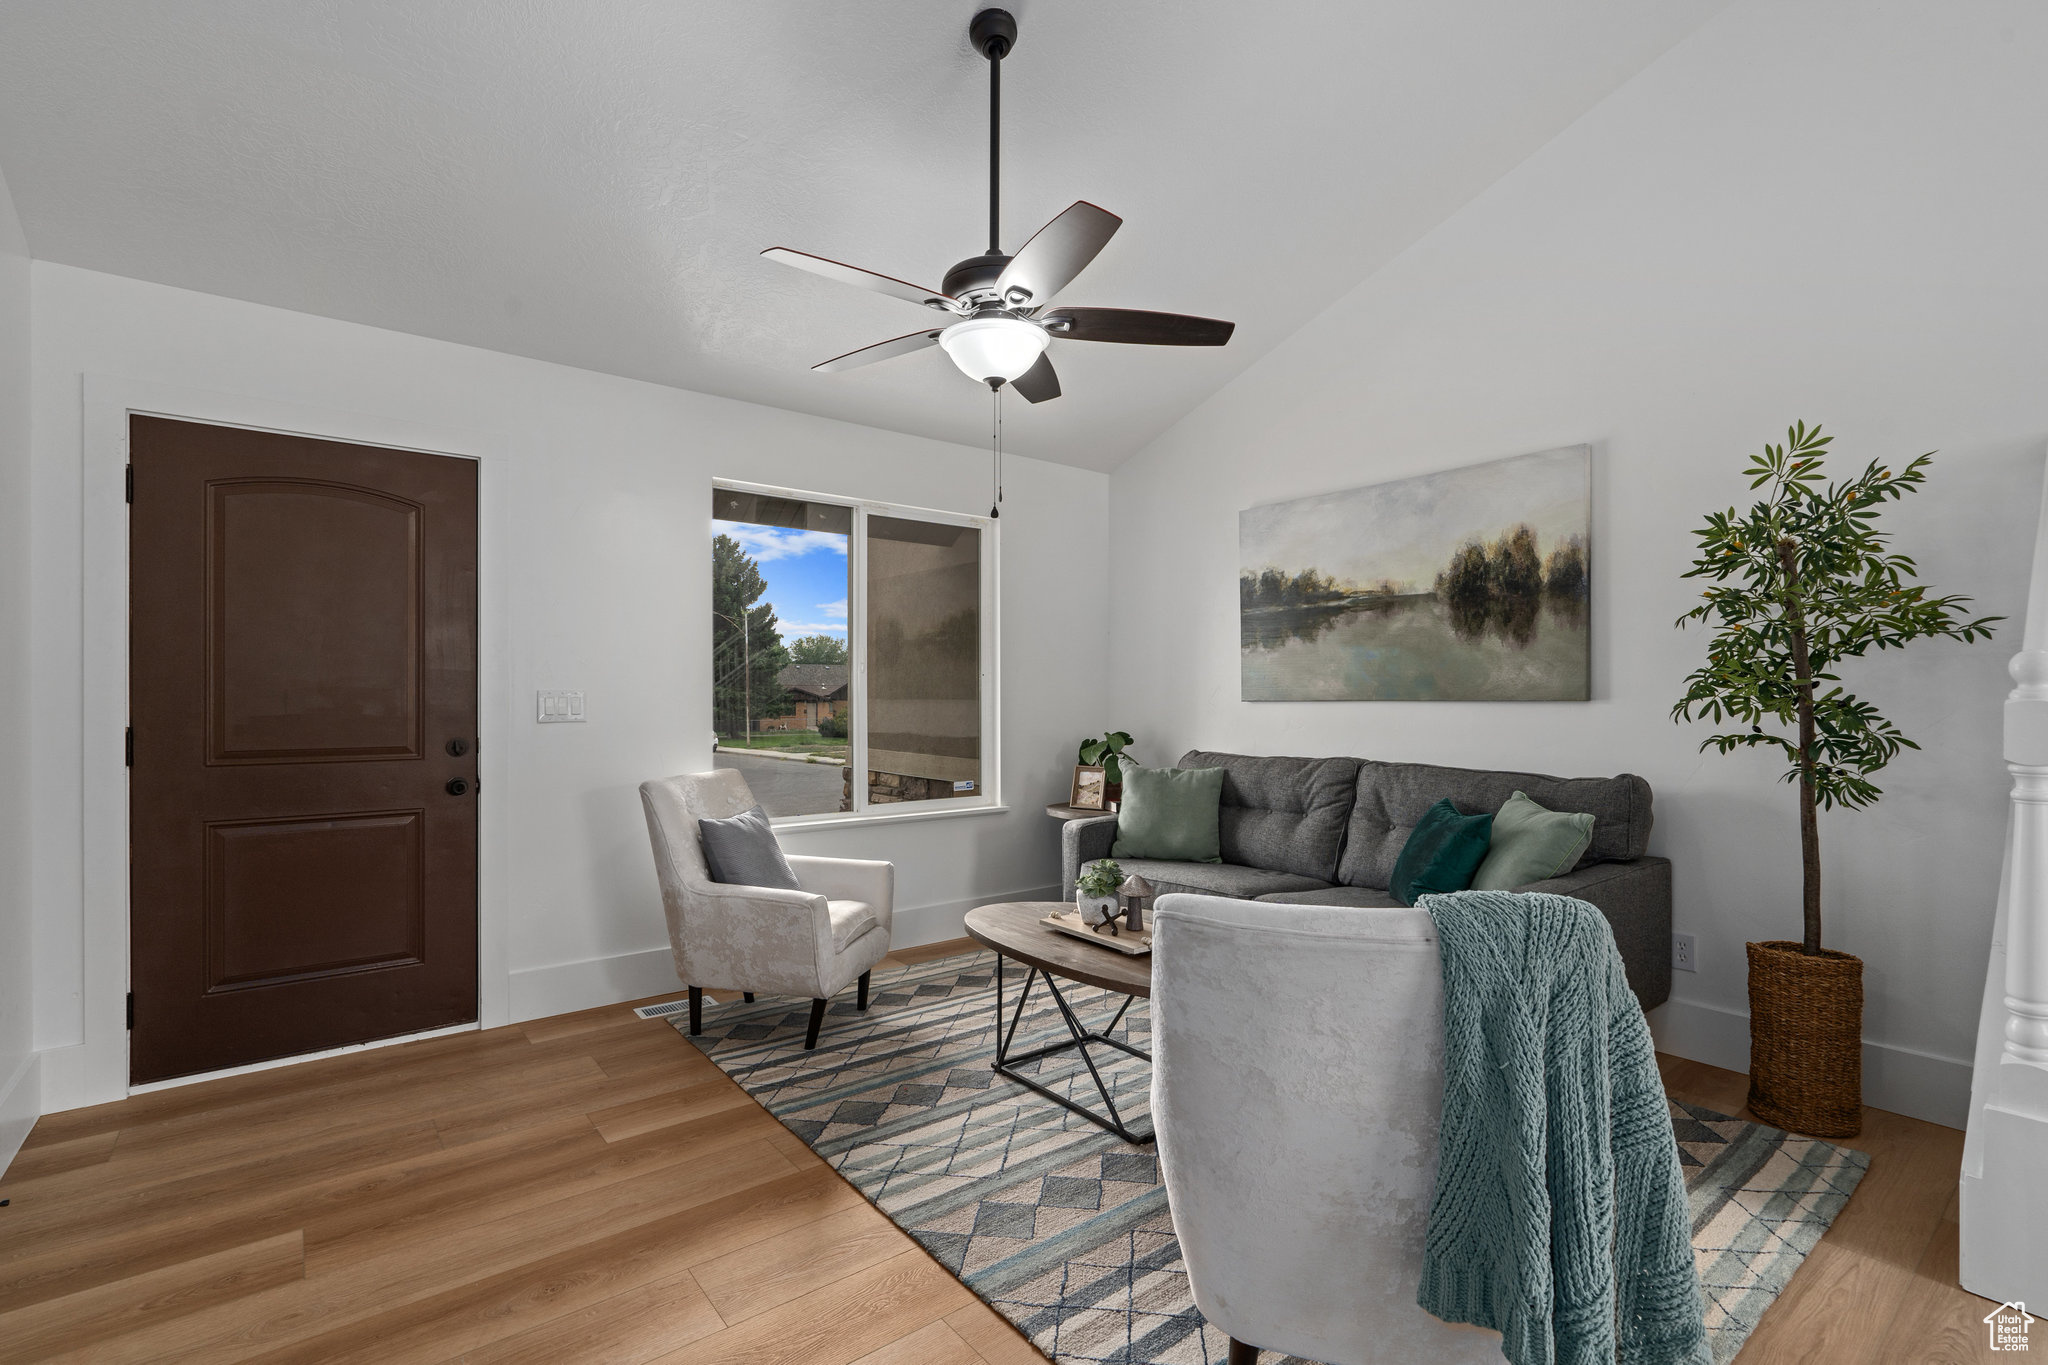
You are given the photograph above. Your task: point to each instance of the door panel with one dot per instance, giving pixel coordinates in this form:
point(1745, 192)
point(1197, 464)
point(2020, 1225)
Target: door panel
point(281, 555)
point(356, 884)
point(302, 650)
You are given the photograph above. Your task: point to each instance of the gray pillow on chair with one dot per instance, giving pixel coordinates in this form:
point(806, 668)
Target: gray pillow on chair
point(742, 851)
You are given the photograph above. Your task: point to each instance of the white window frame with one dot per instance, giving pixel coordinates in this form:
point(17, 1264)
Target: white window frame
point(989, 798)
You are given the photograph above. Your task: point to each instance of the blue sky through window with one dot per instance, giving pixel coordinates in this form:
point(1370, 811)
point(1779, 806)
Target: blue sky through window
point(805, 572)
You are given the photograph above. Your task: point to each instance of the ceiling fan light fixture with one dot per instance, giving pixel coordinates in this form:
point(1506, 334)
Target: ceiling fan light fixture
point(991, 349)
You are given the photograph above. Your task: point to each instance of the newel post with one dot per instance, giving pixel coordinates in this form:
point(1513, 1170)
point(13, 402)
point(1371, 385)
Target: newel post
point(2026, 928)
point(2003, 1194)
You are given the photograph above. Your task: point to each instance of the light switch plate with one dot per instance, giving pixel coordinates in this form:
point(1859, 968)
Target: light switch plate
point(558, 708)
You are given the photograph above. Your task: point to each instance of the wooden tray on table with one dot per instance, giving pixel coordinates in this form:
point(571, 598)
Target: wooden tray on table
point(1129, 944)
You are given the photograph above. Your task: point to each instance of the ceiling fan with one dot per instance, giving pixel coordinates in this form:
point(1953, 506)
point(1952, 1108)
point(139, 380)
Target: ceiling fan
point(1004, 316)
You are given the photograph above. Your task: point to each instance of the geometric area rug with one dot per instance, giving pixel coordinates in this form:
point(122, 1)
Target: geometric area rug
point(1063, 1228)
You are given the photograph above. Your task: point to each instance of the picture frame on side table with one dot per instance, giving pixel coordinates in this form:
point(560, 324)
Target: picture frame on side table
point(1089, 788)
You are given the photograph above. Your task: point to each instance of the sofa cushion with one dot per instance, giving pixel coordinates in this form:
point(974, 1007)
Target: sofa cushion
point(1393, 796)
point(1169, 814)
point(1284, 814)
point(1349, 897)
point(1531, 844)
point(1441, 855)
point(1216, 879)
point(742, 851)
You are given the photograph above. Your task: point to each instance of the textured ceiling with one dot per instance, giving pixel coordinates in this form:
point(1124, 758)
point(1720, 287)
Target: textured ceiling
point(589, 181)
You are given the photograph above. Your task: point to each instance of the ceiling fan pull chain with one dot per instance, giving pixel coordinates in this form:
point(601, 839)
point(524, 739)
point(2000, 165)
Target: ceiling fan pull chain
point(995, 450)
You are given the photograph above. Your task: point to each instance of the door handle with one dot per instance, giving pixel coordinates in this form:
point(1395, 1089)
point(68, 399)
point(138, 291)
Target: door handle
point(457, 787)
point(458, 747)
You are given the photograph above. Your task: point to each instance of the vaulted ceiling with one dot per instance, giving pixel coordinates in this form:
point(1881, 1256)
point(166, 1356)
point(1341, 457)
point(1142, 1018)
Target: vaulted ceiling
point(590, 181)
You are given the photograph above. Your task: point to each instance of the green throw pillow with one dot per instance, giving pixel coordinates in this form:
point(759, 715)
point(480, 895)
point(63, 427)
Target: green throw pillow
point(1442, 854)
point(1170, 813)
point(1531, 844)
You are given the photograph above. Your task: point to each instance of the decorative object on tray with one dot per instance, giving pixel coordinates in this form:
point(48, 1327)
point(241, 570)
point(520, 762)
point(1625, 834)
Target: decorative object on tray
point(1095, 892)
point(1108, 753)
point(1803, 581)
point(1129, 942)
point(1136, 896)
point(1466, 585)
point(1088, 791)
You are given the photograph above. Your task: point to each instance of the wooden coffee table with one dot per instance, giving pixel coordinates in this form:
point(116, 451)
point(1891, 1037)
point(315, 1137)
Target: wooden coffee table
point(1016, 930)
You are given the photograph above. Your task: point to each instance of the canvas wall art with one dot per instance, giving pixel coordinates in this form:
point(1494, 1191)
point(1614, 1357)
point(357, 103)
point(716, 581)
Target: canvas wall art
point(1472, 584)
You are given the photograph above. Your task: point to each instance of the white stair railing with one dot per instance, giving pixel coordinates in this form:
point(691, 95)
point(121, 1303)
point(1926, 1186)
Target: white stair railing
point(2003, 1201)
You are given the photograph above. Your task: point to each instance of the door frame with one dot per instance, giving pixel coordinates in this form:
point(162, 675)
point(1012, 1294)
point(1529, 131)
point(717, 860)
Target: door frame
point(97, 1069)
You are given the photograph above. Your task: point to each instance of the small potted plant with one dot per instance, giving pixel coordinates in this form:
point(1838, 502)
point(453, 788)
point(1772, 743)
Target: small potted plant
point(1095, 892)
point(1107, 754)
point(1801, 582)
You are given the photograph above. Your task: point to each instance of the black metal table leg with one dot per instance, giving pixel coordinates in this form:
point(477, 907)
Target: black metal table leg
point(1078, 1040)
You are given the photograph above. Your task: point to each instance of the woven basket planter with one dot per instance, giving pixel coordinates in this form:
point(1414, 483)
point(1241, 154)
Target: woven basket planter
point(1806, 1039)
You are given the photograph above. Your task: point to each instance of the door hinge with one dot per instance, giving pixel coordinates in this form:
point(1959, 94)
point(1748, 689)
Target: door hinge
point(131, 483)
point(131, 1011)
point(128, 746)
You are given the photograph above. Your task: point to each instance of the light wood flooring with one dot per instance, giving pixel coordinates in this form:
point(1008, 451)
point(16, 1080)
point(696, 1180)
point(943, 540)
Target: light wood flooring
point(589, 1187)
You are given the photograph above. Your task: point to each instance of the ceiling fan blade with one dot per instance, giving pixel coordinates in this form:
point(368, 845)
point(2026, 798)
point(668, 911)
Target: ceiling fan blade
point(865, 279)
point(1056, 253)
point(881, 350)
point(1039, 384)
point(1136, 327)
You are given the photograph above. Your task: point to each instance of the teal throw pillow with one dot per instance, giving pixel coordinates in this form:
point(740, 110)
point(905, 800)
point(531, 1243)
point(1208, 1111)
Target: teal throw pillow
point(1531, 844)
point(1170, 813)
point(1442, 854)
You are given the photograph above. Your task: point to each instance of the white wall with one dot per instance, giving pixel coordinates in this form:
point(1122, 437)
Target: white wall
point(605, 539)
point(18, 1072)
point(1817, 209)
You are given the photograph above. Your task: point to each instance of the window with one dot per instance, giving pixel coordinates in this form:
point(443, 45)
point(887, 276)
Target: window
point(851, 648)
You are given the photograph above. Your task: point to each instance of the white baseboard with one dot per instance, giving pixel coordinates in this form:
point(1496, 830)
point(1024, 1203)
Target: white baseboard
point(21, 1104)
point(1917, 1084)
point(937, 923)
point(565, 987)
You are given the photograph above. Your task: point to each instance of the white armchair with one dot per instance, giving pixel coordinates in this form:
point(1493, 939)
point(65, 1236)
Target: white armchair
point(812, 942)
point(1297, 1084)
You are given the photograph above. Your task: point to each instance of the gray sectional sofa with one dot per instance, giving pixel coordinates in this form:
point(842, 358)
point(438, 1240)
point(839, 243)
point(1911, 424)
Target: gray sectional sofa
point(1326, 831)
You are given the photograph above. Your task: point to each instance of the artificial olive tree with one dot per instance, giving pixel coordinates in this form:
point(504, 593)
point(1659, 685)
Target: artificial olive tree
point(1802, 581)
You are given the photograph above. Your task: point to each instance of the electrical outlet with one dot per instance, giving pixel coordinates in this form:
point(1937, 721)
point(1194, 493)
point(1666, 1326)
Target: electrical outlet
point(1682, 959)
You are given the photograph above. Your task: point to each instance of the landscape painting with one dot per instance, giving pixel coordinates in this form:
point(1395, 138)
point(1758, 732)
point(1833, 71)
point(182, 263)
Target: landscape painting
point(1472, 584)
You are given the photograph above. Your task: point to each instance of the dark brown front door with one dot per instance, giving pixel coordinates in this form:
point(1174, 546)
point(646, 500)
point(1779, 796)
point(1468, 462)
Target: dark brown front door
point(302, 685)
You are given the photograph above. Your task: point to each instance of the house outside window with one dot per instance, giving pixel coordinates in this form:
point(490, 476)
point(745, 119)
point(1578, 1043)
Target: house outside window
point(852, 654)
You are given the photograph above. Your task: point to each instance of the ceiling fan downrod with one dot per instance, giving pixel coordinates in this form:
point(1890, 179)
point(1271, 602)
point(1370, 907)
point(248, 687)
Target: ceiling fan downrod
point(993, 33)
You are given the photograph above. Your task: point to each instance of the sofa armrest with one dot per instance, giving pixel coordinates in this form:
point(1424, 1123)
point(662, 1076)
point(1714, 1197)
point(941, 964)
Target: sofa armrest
point(1083, 842)
point(1636, 899)
point(851, 879)
point(754, 938)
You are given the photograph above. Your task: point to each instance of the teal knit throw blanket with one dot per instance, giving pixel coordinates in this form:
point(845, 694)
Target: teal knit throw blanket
point(1560, 1215)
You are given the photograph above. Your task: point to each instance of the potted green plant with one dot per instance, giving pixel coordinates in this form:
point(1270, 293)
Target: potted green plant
point(1107, 753)
point(1801, 582)
point(1095, 891)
